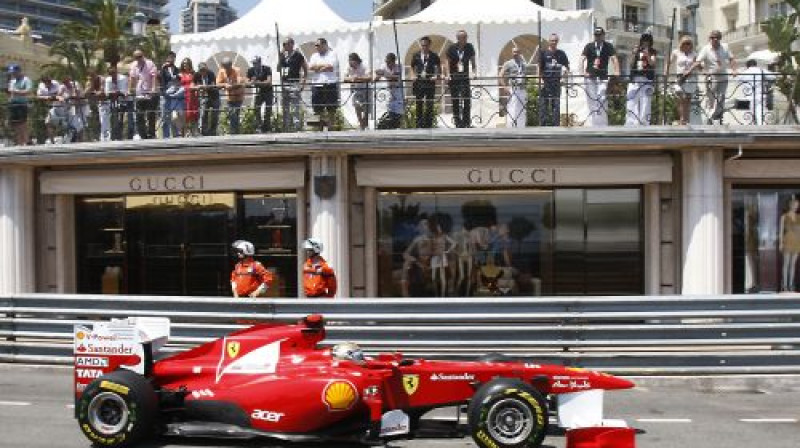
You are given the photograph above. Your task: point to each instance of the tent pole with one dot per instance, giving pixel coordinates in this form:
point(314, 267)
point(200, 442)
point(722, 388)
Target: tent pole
point(668, 58)
point(372, 72)
point(278, 69)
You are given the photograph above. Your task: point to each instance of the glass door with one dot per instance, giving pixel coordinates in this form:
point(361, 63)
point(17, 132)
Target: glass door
point(178, 244)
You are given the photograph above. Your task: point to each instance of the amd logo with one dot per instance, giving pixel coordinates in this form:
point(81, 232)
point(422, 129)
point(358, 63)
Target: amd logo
point(267, 416)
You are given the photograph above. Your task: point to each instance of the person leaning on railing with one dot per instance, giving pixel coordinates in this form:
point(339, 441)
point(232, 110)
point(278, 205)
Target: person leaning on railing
point(324, 68)
point(115, 105)
point(513, 84)
point(48, 92)
point(640, 88)
point(293, 71)
point(596, 58)
point(392, 72)
point(356, 75)
point(142, 85)
point(716, 60)
point(205, 82)
point(553, 64)
point(684, 59)
point(260, 76)
point(231, 79)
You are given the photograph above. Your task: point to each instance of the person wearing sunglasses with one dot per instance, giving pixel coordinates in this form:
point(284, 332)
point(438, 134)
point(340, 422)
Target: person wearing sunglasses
point(718, 64)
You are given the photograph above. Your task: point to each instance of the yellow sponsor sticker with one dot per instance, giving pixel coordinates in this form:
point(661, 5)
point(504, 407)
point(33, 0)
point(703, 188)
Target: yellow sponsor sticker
point(118, 388)
point(339, 395)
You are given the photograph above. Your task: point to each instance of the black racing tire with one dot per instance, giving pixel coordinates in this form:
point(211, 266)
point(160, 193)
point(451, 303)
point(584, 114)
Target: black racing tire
point(118, 409)
point(507, 413)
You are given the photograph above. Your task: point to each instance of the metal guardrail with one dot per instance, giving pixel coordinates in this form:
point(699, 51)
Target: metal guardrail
point(624, 335)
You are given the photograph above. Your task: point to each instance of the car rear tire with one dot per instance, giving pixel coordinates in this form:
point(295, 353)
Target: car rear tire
point(507, 413)
point(118, 409)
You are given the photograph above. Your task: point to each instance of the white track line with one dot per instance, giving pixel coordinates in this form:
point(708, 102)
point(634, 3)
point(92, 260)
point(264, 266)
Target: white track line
point(664, 420)
point(768, 420)
point(14, 403)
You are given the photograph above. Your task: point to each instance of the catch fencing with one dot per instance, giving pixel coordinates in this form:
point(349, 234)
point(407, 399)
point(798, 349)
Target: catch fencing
point(647, 335)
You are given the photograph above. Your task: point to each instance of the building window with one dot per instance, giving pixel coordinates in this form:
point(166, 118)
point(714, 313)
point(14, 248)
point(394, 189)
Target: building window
point(765, 239)
point(568, 241)
point(632, 15)
point(778, 9)
point(180, 244)
point(583, 4)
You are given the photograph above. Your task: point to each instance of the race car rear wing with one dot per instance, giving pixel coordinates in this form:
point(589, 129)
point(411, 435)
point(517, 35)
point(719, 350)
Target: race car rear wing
point(103, 347)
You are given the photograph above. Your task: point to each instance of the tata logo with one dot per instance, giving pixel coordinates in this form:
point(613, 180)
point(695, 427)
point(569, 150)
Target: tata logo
point(233, 348)
point(410, 383)
point(267, 416)
point(88, 373)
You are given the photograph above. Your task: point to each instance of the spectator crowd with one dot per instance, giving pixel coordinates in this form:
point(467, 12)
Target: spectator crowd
point(140, 99)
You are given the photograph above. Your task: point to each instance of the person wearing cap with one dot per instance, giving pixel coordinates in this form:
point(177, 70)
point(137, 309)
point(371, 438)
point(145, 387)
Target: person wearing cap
point(595, 60)
point(640, 88)
point(324, 68)
point(260, 76)
point(143, 82)
point(230, 79)
point(20, 89)
point(716, 60)
point(553, 64)
point(293, 71)
point(205, 81)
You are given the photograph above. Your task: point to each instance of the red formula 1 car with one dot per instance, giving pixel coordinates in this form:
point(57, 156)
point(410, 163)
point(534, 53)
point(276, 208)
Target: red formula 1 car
point(268, 381)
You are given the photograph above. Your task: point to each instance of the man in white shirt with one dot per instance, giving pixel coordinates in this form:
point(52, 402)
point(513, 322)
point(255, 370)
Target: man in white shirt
point(324, 68)
point(49, 91)
point(512, 81)
point(755, 78)
point(716, 60)
point(114, 106)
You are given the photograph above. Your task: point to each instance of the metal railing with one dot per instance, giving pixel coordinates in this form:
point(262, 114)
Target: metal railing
point(572, 100)
point(627, 335)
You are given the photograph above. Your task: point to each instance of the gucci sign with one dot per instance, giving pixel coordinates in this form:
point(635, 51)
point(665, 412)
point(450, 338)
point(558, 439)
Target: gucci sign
point(188, 182)
point(511, 176)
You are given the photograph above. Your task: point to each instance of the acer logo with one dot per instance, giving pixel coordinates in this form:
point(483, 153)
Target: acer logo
point(267, 416)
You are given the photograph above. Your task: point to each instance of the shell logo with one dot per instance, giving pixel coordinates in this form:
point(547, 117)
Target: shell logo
point(80, 335)
point(339, 395)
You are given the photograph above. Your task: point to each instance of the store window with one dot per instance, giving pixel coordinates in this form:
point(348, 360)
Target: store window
point(180, 244)
point(510, 243)
point(765, 239)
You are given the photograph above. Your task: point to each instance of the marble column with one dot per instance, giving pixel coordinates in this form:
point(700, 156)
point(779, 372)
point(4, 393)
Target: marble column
point(328, 214)
point(17, 230)
point(703, 229)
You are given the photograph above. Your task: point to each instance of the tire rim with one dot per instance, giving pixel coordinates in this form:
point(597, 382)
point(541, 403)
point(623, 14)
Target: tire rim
point(510, 421)
point(108, 413)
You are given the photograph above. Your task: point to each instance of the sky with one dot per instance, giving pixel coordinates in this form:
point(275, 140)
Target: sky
point(348, 9)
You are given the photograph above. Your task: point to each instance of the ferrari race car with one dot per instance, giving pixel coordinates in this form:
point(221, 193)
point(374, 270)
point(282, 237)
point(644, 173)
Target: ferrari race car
point(278, 382)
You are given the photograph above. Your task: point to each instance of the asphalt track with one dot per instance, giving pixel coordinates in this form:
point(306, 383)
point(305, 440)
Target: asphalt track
point(36, 411)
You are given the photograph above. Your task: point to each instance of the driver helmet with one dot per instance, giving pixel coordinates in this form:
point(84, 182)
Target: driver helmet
point(313, 244)
point(348, 351)
point(243, 248)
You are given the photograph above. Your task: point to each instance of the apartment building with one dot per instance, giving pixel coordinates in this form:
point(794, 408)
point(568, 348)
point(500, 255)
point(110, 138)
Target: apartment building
point(44, 16)
point(740, 20)
point(205, 15)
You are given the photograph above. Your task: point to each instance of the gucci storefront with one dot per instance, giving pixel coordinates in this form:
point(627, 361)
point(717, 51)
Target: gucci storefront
point(516, 227)
point(168, 231)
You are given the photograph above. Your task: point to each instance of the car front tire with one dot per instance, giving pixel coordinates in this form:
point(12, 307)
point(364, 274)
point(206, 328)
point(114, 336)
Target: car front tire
point(507, 413)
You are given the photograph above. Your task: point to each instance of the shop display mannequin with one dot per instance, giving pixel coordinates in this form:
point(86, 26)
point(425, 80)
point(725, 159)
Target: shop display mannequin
point(417, 254)
point(465, 251)
point(789, 244)
point(442, 246)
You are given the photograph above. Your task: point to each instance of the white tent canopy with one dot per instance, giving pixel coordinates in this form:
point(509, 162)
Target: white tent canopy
point(485, 12)
point(291, 16)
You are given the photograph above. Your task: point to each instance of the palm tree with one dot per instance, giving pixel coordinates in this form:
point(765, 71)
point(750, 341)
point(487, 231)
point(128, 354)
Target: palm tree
point(783, 34)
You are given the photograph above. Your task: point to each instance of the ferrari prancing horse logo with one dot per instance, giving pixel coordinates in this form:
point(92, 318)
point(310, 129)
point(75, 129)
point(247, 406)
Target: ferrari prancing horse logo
point(410, 383)
point(233, 348)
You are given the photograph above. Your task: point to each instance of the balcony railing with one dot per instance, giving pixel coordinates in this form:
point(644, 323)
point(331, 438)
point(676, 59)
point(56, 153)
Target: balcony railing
point(638, 27)
point(742, 32)
point(746, 99)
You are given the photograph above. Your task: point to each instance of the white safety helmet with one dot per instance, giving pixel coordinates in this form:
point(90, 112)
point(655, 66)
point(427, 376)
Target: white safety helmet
point(348, 351)
point(242, 247)
point(313, 244)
